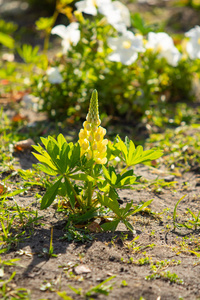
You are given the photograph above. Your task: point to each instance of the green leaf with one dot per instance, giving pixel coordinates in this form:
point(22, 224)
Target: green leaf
point(149, 155)
point(64, 296)
point(48, 170)
point(46, 161)
point(106, 172)
point(139, 207)
point(128, 225)
point(81, 176)
point(122, 147)
point(113, 194)
point(75, 155)
point(175, 208)
point(28, 53)
point(7, 40)
point(44, 141)
point(126, 181)
point(44, 23)
point(110, 226)
point(53, 151)
point(64, 162)
point(127, 208)
point(16, 192)
point(138, 22)
point(7, 27)
point(70, 193)
point(50, 195)
point(92, 213)
point(61, 140)
point(111, 203)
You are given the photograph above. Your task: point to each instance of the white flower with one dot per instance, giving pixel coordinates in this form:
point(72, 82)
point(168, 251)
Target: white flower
point(193, 45)
point(125, 48)
point(87, 7)
point(70, 35)
point(162, 43)
point(117, 14)
point(54, 75)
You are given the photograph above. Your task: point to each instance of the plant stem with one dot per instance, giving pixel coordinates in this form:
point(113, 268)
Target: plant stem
point(77, 197)
point(89, 195)
point(124, 170)
point(48, 32)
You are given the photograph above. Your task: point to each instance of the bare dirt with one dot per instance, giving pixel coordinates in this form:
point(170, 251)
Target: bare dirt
point(128, 257)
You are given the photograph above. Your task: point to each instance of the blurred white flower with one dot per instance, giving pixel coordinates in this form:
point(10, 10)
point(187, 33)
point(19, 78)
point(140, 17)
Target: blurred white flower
point(54, 75)
point(8, 57)
point(87, 6)
point(125, 48)
point(162, 43)
point(193, 45)
point(117, 14)
point(70, 35)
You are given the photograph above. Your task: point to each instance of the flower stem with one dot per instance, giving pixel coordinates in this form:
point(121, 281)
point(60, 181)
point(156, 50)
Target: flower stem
point(77, 197)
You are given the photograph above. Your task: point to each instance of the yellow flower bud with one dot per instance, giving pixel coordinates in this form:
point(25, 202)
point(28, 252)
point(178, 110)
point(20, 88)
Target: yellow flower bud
point(82, 134)
point(94, 146)
point(90, 138)
point(102, 161)
point(87, 125)
point(89, 154)
point(85, 144)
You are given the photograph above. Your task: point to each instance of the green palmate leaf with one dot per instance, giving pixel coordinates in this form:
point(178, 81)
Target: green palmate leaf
point(133, 156)
point(28, 53)
point(90, 214)
point(44, 23)
point(127, 208)
point(39, 149)
point(7, 27)
point(46, 161)
point(111, 203)
point(53, 150)
point(148, 155)
point(110, 226)
point(50, 195)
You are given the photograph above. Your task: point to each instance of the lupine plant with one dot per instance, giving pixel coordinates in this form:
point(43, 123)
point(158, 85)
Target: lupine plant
point(84, 172)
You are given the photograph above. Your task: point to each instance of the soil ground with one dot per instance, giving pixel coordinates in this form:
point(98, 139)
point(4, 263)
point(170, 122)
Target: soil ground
point(115, 253)
point(172, 256)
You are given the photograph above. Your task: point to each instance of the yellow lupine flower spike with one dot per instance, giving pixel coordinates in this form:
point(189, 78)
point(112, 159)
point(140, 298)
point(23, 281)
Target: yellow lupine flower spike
point(91, 138)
